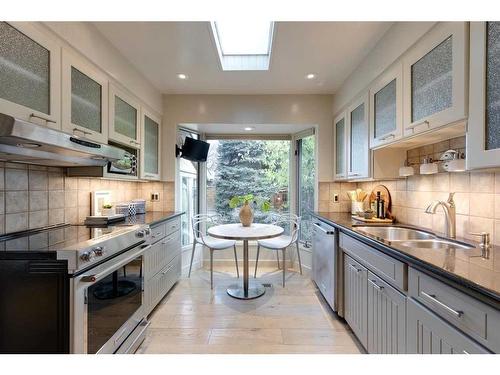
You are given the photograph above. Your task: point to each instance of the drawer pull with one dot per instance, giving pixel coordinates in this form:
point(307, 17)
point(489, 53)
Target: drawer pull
point(354, 268)
point(375, 285)
point(433, 298)
point(167, 241)
point(168, 269)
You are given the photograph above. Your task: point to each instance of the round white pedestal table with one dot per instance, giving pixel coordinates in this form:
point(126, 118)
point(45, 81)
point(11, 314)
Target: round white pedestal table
point(240, 233)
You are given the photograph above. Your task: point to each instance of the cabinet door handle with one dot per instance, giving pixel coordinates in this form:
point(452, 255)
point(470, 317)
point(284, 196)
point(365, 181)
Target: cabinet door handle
point(386, 137)
point(81, 131)
point(354, 268)
point(433, 298)
point(375, 285)
point(412, 127)
point(41, 118)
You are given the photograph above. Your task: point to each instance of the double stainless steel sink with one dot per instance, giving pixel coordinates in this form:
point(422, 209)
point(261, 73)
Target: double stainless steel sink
point(412, 238)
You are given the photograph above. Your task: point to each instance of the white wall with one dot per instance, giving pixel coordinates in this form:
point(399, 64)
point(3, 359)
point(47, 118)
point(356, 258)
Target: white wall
point(84, 38)
point(248, 109)
point(400, 37)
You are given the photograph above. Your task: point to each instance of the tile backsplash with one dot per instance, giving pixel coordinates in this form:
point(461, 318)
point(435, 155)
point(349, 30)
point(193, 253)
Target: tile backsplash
point(477, 195)
point(35, 196)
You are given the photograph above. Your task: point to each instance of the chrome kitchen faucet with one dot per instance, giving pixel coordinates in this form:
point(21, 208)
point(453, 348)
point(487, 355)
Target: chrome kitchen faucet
point(450, 214)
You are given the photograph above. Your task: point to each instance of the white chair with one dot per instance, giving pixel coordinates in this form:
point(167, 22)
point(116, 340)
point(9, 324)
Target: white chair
point(282, 242)
point(200, 224)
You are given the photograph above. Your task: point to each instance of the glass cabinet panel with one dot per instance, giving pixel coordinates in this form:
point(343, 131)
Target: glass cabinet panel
point(125, 118)
point(340, 147)
point(86, 101)
point(385, 110)
point(358, 139)
point(151, 134)
point(432, 81)
point(24, 70)
point(492, 136)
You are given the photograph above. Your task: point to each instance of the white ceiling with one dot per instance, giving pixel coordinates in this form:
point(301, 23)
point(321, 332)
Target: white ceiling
point(161, 50)
point(258, 129)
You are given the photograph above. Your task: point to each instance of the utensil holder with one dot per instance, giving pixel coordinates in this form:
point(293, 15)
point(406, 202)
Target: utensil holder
point(356, 207)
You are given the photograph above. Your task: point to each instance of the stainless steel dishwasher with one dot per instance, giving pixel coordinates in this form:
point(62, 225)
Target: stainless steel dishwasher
point(325, 261)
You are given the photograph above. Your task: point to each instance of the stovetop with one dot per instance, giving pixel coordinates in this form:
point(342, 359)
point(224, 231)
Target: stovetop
point(80, 245)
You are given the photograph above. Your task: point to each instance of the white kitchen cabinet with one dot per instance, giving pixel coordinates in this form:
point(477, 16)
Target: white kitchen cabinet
point(358, 152)
point(483, 133)
point(435, 78)
point(386, 107)
point(124, 118)
point(340, 140)
point(84, 99)
point(30, 63)
point(150, 146)
point(162, 262)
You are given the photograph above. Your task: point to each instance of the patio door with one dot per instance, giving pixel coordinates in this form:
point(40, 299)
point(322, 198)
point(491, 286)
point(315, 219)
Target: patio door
point(305, 177)
point(187, 189)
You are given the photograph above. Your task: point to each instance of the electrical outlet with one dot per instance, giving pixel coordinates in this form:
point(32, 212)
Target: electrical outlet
point(155, 197)
point(336, 198)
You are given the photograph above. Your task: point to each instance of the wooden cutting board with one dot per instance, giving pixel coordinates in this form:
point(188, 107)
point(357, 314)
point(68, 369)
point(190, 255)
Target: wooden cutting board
point(372, 220)
point(385, 195)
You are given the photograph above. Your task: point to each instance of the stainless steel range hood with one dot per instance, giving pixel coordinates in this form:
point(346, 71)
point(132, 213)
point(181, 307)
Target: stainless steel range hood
point(24, 142)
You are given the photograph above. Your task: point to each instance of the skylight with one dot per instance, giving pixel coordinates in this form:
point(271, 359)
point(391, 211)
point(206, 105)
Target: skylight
point(243, 45)
point(244, 38)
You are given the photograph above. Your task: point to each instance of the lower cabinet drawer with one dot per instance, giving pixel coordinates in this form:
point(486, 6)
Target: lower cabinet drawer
point(476, 319)
point(391, 270)
point(161, 253)
point(159, 285)
point(429, 334)
point(166, 228)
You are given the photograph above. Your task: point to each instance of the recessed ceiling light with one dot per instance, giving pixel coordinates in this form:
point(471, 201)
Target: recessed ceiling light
point(249, 128)
point(182, 76)
point(311, 76)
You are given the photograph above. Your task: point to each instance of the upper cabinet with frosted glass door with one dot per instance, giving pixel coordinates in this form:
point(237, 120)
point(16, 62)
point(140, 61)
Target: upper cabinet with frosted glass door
point(483, 134)
point(434, 73)
point(340, 140)
point(150, 157)
point(386, 107)
point(84, 99)
point(358, 152)
point(30, 85)
point(124, 118)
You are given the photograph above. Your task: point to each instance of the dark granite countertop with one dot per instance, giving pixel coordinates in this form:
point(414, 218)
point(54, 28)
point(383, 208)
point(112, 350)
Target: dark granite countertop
point(152, 217)
point(478, 276)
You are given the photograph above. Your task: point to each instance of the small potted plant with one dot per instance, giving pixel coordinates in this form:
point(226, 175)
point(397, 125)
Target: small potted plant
point(246, 213)
point(107, 210)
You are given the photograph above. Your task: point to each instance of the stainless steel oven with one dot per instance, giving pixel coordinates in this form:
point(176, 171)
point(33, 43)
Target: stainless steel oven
point(107, 310)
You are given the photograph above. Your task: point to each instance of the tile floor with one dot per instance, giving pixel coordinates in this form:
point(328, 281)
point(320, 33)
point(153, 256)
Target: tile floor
point(194, 319)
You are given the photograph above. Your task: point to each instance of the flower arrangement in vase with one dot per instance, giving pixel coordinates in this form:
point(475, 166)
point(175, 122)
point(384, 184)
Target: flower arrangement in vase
point(246, 213)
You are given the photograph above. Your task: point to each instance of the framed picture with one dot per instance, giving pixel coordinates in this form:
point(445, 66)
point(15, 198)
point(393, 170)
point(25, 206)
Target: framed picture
point(99, 199)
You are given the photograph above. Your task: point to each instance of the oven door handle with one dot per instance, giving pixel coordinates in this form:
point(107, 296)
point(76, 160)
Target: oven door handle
point(96, 277)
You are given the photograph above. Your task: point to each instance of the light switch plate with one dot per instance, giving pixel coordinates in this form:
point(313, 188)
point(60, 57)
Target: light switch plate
point(155, 197)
